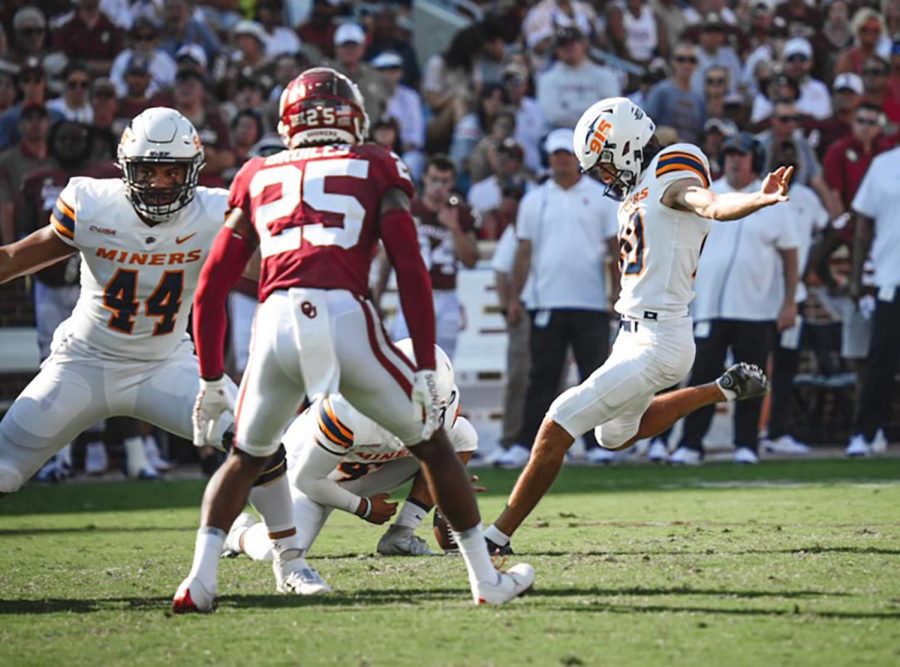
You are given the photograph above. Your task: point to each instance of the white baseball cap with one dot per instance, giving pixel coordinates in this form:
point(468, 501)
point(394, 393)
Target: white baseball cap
point(251, 28)
point(798, 46)
point(193, 51)
point(387, 60)
point(848, 80)
point(562, 139)
point(349, 32)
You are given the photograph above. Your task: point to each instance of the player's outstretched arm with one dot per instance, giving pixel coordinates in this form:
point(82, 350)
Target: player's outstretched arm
point(36, 251)
point(231, 250)
point(685, 195)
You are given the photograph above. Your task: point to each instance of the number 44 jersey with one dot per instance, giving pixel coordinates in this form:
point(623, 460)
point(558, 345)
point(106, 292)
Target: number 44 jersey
point(316, 211)
point(659, 247)
point(137, 281)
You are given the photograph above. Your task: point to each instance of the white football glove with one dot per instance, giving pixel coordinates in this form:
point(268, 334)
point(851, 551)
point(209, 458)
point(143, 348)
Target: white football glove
point(426, 402)
point(214, 398)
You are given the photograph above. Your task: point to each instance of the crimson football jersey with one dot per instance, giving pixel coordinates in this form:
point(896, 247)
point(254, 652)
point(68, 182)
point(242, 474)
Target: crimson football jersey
point(316, 212)
point(437, 245)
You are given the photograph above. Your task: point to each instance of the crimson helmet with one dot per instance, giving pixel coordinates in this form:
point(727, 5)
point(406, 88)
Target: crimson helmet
point(321, 106)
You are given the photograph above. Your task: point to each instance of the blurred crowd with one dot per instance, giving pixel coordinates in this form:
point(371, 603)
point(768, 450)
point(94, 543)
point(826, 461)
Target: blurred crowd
point(812, 84)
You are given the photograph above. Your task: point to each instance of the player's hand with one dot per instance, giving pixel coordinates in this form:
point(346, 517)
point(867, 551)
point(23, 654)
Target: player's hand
point(214, 398)
point(787, 316)
point(426, 402)
point(382, 509)
point(775, 186)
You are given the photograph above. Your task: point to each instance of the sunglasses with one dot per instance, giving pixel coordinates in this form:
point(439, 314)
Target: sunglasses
point(77, 85)
point(686, 59)
point(32, 78)
point(797, 58)
point(144, 37)
point(874, 71)
point(866, 121)
point(788, 119)
point(31, 32)
point(715, 81)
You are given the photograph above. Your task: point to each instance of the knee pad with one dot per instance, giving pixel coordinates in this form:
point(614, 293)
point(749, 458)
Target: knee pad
point(276, 466)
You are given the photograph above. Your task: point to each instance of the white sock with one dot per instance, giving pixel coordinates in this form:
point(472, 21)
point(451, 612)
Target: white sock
point(273, 502)
point(135, 458)
point(207, 550)
point(474, 551)
point(411, 514)
point(255, 542)
point(730, 395)
point(493, 534)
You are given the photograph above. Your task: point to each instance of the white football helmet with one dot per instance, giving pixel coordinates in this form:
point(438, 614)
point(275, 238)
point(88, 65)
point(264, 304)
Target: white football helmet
point(160, 135)
point(614, 132)
point(445, 378)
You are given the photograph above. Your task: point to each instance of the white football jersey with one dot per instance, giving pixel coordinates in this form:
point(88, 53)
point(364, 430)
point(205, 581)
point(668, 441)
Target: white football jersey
point(364, 445)
point(659, 247)
point(137, 281)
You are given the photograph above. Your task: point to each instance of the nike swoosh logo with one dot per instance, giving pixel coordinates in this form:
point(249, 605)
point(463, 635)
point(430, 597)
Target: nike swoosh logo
point(179, 240)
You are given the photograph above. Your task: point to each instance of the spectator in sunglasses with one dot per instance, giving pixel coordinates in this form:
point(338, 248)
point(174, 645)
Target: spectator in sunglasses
point(715, 90)
point(88, 35)
point(814, 100)
point(160, 66)
point(29, 35)
point(673, 102)
point(868, 27)
point(74, 103)
point(32, 82)
point(715, 51)
point(875, 90)
point(808, 171)
point(847, 93)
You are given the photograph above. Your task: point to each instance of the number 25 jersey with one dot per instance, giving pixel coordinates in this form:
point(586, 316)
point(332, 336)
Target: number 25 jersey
point(316, 212)
point(137, 281)
point(659, 247)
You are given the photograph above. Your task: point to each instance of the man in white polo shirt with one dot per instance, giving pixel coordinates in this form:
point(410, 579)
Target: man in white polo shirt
point(566, 232)
point(877, 214)
point(745, 291)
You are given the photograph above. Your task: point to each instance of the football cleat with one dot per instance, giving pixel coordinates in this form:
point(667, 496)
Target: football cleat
point(516, 581)
point(154, 456)
point(495, 549)
point(858, 447)
point(192, 597)
point(745, 380)
point(402, 541)
point(599, 456)
point(232, 546)
point(686, 456)
point(786, 445)
point(745, 456)
point(879, 444)
point(658, 451)
point(294, 575)
point(514, 457)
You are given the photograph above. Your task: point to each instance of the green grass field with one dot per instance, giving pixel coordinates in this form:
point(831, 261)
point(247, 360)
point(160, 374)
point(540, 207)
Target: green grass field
point(794, 563)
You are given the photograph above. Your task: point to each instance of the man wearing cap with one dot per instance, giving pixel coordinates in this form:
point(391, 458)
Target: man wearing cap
point(848, 90)
point(74, 104)
point(744, 292)
point(279, 37)
point(814, 99)
point(673, 102)
point(249, 60)
point(404, 106)
point(566, 233)
point(88, 34)
point(143, 58)
point(574, 82)
point(349, 47)
point(386, 37)
point(876, 217)
point(33, 82)
point(190, 100)
point(16, 162)
point(29, 38)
